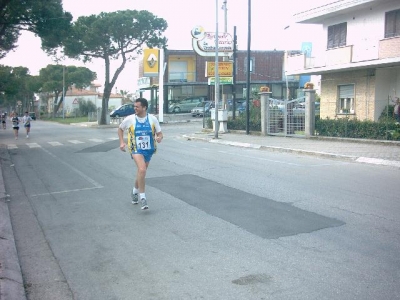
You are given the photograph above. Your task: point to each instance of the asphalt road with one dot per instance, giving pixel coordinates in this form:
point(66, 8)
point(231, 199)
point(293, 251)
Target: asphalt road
point(224, 222)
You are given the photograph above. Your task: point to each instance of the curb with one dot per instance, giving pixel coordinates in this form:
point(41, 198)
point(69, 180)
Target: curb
point(11, 282)
point(367, 160)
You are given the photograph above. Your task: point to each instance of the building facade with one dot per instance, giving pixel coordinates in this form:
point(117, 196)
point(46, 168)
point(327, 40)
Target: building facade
point(185, 77)
point(73, 96)
point(358, 59)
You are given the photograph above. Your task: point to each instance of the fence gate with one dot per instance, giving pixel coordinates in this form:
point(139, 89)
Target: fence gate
point(286, 117)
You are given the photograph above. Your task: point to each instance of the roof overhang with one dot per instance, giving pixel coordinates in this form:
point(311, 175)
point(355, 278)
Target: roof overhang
point(318, 14)
point(370, 64)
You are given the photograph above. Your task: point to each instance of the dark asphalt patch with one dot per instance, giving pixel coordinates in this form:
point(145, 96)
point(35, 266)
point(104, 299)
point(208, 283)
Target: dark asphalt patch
point(261, 216)
point(104, 147)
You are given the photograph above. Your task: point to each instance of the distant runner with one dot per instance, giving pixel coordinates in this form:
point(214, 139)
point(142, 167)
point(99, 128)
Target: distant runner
point(26, 120)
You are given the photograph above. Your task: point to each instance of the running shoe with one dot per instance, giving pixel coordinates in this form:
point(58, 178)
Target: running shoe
point(135, 198)
point(144, 203)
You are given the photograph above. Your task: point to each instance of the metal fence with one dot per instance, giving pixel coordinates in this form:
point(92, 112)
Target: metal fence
point(286, 117)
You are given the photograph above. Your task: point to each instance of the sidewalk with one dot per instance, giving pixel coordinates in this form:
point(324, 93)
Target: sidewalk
point(364, 151)
point(385, 153)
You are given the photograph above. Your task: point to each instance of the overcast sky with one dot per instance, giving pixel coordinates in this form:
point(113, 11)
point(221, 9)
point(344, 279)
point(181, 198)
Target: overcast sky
point(268, 20)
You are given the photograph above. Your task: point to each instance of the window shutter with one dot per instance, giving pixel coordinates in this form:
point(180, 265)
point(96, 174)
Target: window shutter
point(330, 37)
point(343, 34)
point(346, 91)
point(389, 24)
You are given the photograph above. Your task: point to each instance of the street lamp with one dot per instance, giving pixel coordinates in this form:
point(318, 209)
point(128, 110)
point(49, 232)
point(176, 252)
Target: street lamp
point(63, 95)
point(248, 71)
point(216, 69)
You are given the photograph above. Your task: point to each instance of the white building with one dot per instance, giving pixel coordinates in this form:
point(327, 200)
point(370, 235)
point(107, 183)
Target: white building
point(358, 59)
point(74, 95)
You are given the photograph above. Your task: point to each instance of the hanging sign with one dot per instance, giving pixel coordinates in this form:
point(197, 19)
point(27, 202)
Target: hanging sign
point(203, 42)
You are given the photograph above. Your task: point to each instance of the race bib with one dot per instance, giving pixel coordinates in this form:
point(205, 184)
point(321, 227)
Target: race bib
point(143, 142)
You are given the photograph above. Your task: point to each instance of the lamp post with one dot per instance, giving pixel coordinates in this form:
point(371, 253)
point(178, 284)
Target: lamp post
point(63, 108)
point(216, 72)
point(285, 62)
point(248, 71)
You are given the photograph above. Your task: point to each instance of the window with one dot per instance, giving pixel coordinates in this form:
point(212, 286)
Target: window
point(392, 23)
point(346, 99)
point(251, 64)
point(337, 35)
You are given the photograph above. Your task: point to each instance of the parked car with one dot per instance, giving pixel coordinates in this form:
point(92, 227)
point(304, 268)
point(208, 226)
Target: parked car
point(123, 111)
point(201, 108)
point(185, 105)
point(300, 109)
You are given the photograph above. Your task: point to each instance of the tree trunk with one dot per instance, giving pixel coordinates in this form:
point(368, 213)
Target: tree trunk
point(56, 104)
point(104, 105)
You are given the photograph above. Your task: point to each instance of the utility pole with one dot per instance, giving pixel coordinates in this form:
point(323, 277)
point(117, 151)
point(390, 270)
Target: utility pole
point(224, 7)
point(248, 71)
point(216, 72)
point(234, 75)
point(63, 95)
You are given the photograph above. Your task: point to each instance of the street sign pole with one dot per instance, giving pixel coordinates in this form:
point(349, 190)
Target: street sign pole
point(216, 72)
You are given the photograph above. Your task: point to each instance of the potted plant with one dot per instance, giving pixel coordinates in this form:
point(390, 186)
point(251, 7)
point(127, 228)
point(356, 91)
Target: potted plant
point(264, 89)
point(309, 85)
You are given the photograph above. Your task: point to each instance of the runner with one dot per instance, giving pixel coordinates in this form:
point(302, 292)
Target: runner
point(143, 132)
point(15, 124)
point(26, 120)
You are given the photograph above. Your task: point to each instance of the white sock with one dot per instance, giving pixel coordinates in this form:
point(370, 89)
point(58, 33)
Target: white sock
point(135, 190)
point(142, 195)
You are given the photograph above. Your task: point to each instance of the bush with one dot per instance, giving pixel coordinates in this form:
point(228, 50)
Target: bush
point(240, 122)
point(85, 107)
point(353, 128)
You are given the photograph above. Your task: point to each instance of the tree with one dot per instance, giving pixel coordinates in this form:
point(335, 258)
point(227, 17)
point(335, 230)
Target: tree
point(56, 77)
point(45, 18)
point(111, 36)
point(17, 85)
point(126, 96)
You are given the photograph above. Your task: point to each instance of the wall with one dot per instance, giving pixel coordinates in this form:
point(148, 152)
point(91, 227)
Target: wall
point(364, 81)
point(388, 81)
point(365, 28)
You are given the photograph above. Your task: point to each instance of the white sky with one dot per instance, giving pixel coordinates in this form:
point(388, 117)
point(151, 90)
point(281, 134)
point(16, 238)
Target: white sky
point(268, 20)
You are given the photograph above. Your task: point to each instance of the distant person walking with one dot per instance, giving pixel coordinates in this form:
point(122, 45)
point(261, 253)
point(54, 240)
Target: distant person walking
point(15, 124)
point(144, 132)
point(26, 120)
point(396, 110)
point(4, 120)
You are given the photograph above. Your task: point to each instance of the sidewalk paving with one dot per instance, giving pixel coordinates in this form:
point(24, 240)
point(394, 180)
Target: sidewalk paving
point(363, 151)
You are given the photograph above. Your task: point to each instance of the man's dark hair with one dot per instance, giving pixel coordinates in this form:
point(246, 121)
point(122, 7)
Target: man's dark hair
point(143, 102)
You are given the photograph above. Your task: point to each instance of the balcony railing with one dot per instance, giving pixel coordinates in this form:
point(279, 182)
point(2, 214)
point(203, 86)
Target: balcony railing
point(389, 48)
point(330, 57)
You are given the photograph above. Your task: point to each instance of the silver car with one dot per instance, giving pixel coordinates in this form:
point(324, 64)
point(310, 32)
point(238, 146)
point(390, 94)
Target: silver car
point(202, 107)
point(186, 105)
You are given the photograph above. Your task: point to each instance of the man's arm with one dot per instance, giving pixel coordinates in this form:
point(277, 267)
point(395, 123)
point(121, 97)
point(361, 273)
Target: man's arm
point(159, 137)
point(122, 144)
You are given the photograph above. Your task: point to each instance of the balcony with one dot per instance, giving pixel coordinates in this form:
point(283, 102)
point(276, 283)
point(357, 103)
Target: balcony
point(389, 48)
point(329, 59)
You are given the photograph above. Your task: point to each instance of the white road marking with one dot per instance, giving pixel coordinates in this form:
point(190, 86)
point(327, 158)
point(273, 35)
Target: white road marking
point(96, 140)
point(55, 143)
point(378, 161)
point(33, 145)
point(92, 181)
point(12, 146)
point(66, 191)
point(113, 138)
point(75, 142)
